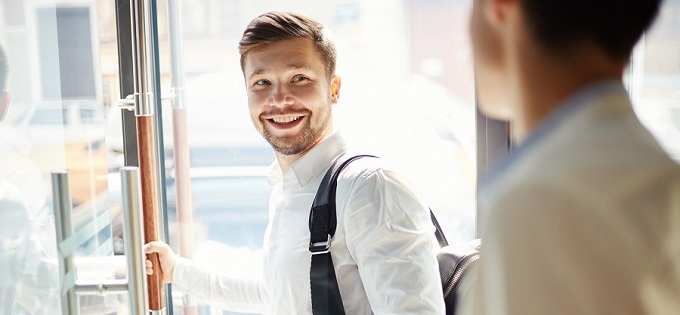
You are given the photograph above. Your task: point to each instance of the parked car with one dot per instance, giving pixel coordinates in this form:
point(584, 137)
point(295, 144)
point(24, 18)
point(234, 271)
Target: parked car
point(73, 120)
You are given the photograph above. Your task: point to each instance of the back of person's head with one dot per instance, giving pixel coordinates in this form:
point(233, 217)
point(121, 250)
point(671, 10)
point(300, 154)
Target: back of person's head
point(275, 26)
point(614, 25)
point(4, 68)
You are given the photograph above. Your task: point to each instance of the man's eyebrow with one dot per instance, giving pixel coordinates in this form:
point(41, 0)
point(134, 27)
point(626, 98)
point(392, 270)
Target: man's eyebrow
point(291, 66)
point(256, 72)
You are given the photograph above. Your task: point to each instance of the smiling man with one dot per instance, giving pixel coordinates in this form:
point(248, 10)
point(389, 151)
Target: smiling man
point(384, 246)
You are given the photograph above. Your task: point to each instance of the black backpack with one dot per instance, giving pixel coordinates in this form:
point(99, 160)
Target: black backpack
point(456, 263)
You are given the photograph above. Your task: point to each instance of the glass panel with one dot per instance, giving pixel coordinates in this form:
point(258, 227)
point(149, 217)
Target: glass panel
point(49, 116)
point(62, 80)
point(407, 95)
point(91, 117)
point(654, 78)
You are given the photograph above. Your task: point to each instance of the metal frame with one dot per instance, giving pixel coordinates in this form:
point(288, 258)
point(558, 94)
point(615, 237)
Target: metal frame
point(139, 77)
point(493, 144)
point(135, 285)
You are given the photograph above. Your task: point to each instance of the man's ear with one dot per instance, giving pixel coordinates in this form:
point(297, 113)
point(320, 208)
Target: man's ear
point(5, 97)
point(335, 88)
point(497, 11)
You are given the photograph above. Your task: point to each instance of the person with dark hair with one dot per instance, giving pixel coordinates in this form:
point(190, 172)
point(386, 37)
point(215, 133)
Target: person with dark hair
point(583, 217)
point(383, 250)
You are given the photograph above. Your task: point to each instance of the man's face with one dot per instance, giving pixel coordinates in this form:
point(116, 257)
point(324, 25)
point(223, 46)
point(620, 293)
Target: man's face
point(488, 59)
point(289, 94)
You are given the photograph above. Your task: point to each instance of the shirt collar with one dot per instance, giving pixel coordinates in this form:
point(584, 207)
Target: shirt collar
point(312, 163)
point(548, 126)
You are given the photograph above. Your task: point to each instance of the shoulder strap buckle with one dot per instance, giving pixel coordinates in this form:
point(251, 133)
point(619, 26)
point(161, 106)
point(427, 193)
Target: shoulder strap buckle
point(323, 247)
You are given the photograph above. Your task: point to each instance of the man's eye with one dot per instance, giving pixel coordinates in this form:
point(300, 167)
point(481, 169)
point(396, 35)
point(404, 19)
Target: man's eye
point(261, 82)
point(300, 78)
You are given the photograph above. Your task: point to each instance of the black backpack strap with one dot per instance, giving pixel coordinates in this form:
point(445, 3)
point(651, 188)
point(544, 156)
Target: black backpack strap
point(322, 223)
point(438, 231)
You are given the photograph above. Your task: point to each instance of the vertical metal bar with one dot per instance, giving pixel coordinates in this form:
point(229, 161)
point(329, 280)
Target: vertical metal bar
point(181, 144)
point(132, 214)
point(61, 198)
point(142, 58)
point(146, 137)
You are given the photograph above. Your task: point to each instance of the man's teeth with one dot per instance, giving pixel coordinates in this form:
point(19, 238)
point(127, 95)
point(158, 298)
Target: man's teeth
point(285, 120)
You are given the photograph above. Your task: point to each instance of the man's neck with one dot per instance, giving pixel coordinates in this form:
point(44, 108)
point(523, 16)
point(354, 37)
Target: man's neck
point(547, 81)
point(286, 161)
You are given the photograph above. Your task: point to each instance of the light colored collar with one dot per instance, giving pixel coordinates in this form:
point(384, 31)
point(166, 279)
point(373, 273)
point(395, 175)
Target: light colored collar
point(563, 113)
point(312, 163)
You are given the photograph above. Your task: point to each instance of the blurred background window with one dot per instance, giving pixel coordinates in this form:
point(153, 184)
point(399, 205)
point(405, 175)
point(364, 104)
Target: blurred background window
point(653, 78)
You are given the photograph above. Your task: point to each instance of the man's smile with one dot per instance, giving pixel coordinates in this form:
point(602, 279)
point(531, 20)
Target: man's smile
point(285, 122)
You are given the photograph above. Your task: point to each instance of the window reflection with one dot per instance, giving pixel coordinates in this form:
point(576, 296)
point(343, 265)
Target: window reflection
point(57, 117)
point(56, 121)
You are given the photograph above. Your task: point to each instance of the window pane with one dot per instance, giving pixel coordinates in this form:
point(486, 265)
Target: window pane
point(60, 67)
point(654, 78)
point(407, 95)
point(49, 117)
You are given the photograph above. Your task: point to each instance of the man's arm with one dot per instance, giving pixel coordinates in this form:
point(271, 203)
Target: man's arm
point(241, 294)
point(391, 237)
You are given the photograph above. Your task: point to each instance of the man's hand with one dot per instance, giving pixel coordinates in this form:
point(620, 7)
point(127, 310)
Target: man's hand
point(165, 256)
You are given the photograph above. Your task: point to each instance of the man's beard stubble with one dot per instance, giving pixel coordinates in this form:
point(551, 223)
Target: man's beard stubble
point(291, 145)
point(300, 142)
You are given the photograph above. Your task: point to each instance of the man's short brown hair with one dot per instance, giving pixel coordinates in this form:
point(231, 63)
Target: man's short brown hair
point(276, 26)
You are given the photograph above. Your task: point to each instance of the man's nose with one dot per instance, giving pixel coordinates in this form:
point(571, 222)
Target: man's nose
point(280, 96)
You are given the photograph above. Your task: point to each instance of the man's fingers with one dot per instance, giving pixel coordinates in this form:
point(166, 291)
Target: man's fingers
point(149, 267)
point(151, 247)
point(157, 247)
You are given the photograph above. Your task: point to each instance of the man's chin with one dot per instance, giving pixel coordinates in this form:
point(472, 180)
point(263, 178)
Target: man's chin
point(286, 147)
point(288, 150)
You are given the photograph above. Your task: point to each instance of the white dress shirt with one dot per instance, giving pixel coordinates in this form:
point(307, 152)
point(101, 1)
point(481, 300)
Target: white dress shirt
point(583, 218)
point(383, 250)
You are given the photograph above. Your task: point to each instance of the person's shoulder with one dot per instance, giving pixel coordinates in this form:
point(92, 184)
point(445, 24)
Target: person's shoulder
point(521, 198)
point(375, 174)
point(367, 168)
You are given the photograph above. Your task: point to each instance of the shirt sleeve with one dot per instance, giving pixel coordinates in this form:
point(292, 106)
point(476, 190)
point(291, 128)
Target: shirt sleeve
point(234, 293)
point(390, 236)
